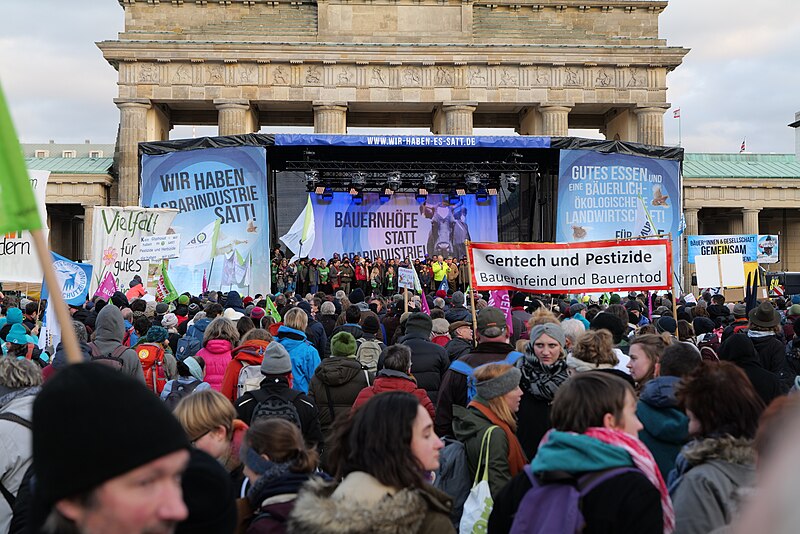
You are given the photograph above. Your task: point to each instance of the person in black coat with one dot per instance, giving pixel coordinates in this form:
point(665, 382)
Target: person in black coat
point(739, 350)
point(762, 330)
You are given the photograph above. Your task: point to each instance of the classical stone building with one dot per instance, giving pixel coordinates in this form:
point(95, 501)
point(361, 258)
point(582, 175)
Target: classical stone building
point(540, 67)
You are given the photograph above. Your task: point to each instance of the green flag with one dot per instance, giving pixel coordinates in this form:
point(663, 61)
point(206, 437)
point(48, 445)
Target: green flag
point(273, 311)
point(18, 209)
point(165, 291)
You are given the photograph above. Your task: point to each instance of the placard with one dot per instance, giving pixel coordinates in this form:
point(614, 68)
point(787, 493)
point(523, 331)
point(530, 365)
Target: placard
point(159, 247)
point(593, 266)
point(720, 270)
point(18, 260)
point(768, 248)
point(708, 245)
point(405, 277)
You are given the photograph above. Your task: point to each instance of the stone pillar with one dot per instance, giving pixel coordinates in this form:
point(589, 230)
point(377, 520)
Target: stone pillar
point(735, 224)
point(132, 131)
point(88, 222)
point(750, 220)
point(530, 122)
point(650, 125)
point(692, 228)
point(330, 117)
point(235, 117)
point(555, 120)
point(458, 117)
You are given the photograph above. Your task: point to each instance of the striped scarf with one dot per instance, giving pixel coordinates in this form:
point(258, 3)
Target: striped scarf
point(643, 460)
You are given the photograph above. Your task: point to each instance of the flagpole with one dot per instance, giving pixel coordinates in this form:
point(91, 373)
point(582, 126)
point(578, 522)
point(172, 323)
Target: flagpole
point(679, 129)
point(68, 337)
point(472, 297)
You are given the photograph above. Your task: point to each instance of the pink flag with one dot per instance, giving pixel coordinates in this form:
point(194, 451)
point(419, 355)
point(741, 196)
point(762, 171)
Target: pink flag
point(205, 282)
point(500, 300)
point(107, 287)
point(424, 300)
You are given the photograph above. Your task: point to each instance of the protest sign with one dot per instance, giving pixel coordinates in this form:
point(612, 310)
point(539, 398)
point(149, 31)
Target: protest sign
point(708, 245)
point(116, 240)
point(18, 262)
point(768, 248)
point(593, 266)
point(405, 277)
point(720, 270)
point(159, 247)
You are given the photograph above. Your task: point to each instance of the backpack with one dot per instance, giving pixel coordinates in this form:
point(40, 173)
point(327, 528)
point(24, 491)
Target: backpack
point(180, 391)
point(152, 358)
point(709, 346)
point(368, 353)
point(274, 405)
point(113, 360)
point(462, 367)
point(126, 340)
point(10, 498)
point(250, 378)
point(555, 506)
point(187, 346)
point(452, 477)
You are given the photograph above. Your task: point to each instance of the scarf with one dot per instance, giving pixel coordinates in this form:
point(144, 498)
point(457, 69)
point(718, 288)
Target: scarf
point(542, 381)
point(516, 458)
point(759, 333)
point(644, 461)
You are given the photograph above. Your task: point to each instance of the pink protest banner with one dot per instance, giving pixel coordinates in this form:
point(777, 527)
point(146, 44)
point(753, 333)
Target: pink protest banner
point(107, 287)
point(499, 299)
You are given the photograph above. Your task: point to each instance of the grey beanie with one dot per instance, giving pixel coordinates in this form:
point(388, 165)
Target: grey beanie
point(458, 298)
point(419, 324)
point(276, 360)
point(499, 385)
point(551, 329)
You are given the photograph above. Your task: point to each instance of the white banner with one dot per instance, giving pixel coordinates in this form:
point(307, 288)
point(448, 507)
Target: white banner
point(18, 260)
point(160, 247)
point(116, 241)
point(589, 267)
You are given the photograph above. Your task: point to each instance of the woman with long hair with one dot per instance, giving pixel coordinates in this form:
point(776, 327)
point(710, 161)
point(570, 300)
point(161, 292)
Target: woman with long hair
point(723, 410)
point(492, 410)
point(277, 463)
point(383, 464)
point(645, 352)
point(220, 337)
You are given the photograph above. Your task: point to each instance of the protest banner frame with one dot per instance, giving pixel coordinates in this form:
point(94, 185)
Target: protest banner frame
point(660, 239)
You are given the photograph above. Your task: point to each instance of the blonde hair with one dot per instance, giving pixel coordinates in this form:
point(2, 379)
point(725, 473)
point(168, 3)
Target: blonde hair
point(296, 318)
point(542, 316)
point(203, 411)
point(597, 347)
point(221, 328)
point(498, 404)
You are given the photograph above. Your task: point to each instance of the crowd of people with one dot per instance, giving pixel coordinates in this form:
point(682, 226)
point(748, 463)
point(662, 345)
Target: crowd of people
point(338, 405)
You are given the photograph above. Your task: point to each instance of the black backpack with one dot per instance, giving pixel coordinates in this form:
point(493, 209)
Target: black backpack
point(113, 360)
point(180, 391)
point(275, 405)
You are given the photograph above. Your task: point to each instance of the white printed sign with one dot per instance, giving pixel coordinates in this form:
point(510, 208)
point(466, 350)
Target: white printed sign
point(405, 277)
point(18, 260)
point(159, 247)
point(592, 266)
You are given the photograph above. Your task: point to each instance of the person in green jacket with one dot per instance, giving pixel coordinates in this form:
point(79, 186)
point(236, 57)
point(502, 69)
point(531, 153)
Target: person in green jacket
point(324, 271)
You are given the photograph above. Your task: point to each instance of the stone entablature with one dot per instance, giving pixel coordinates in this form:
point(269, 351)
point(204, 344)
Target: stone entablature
point(741, 193)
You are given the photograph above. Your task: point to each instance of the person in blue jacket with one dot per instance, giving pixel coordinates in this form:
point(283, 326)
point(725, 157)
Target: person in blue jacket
point(305, 358)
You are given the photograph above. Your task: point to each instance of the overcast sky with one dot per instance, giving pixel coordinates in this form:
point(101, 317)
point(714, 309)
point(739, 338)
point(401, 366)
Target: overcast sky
point(740, 80)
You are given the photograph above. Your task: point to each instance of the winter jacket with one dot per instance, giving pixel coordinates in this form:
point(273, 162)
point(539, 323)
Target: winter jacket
point(666, 427)
point(793, 356)
point(273, 501)
point(202, 386)
point(306, 410)
point(346, 274)
point(234, 300)
point(315, 332)
point(429, 362)
point(305, 358)
point(708, 478)
point(198, 329)
point(353, 329)
point(442, 341)
point(469, 426)
point(328, 323)
point(440, 270)
point(335, 385)
point(250, 353)
point(772, 353)
point(739, 350)
point(458, 313)
point(454, 385)
point(15, 445)
point(626, 503)
point(109, 331)
point(391, 380)
point(457, 347)
point(360, 504)
point(217, 354)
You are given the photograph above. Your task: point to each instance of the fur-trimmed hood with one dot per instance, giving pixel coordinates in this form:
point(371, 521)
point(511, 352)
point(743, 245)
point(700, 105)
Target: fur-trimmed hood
point(726, 448)
point(362, 505)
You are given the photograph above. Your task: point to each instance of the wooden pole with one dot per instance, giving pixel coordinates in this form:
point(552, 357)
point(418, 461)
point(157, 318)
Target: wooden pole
point(472, 298)
point(674, 291)
point(68, 337)
point(405, 299)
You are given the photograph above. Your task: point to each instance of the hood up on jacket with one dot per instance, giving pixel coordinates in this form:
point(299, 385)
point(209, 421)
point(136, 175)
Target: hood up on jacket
point(234, 300)
point(336, 370)
point(251, 352)
point(577, 453)
point(109, 326)
point(739, 349)
point(660, 392)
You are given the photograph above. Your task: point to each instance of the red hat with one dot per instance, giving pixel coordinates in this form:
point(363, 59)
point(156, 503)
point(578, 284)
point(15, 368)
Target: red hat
point(247, 300)
point(257, 313)
point(441, 293)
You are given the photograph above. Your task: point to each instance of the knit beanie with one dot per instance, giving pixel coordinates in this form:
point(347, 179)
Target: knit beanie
point(157, 334)
point(14, 316)
point(343, 344)
point(499, 385)
point(170, 320)
point(17, 334)
point(419, 324)
point(440, 326)
point(458, 298)
point(209, 495)
point(370, 324)
point(276, 360)
point(551, 329)
point(183, 300)
point(257, 313)
point(162, 308)
point(666, 324)
point(97, 441)
point(356, 296)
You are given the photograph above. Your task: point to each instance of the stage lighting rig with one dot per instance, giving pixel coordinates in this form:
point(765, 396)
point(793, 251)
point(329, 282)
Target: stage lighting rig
point(473, 181)
point(312, 180)
point(393, 181)
point(512, 181)
point(429, 180)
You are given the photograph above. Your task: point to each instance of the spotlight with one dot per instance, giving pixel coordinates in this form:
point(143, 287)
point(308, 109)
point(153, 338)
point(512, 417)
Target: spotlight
point(512, 181)
point(473, 181)
point(358, 180)
point(429, 180)
point(312, 179)
point(393, 181)
point(422, 195)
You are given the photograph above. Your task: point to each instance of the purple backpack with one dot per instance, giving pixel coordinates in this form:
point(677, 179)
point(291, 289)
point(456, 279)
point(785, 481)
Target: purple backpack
point(550, 507)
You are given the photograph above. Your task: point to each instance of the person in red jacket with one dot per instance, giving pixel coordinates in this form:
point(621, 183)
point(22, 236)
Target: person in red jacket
point(250, 352)
point(395, 376)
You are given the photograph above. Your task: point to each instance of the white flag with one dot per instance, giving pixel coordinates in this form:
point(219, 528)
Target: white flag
point(50, 334)
point(300, 237)
point(643, 225)
point(202, 247)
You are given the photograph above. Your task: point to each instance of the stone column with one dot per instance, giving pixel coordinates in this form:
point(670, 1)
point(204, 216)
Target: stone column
point(650, 125)
point(235, 117)
point(530, 122)
point(692, 228)
point(555, 120)
point(132, 131)
point(88, 222)
point(330, 117)
point(458, 117)
point(735, 224)
point(750, 220)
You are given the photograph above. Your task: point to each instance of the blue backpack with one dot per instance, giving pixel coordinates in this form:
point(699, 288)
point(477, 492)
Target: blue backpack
point(466, 369)
point(555, 506)
point(187, 346)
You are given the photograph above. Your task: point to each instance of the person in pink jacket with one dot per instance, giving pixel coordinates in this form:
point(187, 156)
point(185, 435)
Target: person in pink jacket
point(220, 337)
